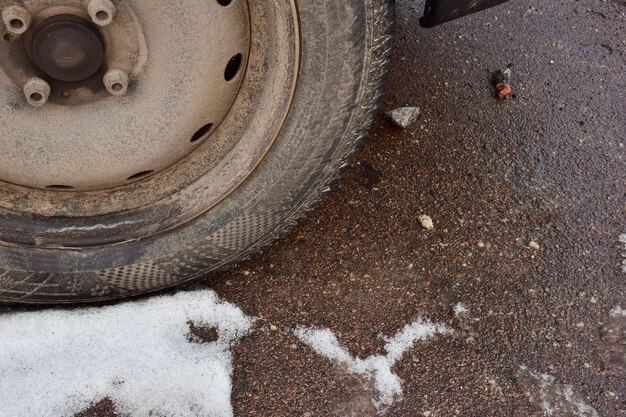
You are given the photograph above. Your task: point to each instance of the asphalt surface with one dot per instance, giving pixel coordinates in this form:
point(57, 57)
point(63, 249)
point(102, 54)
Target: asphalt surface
point(545, 165)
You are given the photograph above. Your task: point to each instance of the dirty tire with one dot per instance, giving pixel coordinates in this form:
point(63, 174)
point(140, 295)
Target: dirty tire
point(345, 52)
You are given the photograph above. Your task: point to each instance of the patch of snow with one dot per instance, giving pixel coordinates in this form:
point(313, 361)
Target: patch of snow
point(377, 367)
point(137, 354)
point(622, 239)
point(617, 312)
point(461, 309)
point(555, 400)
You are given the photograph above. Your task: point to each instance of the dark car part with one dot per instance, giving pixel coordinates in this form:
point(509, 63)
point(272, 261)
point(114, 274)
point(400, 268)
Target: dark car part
point(442, 11)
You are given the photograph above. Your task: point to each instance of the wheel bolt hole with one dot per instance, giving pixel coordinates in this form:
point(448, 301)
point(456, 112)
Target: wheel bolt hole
point(202, 133)
point(16, 24)
point(36, 97)
point(60, 187)
point(117, 87)
point(140, 175)
point(233, 67)
point(102, 16)
point(224, 2)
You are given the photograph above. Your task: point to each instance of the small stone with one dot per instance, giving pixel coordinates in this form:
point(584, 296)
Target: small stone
point(481, 244)
point(273, 328)
point(580, 325)
point(426, 222)
point(502, 76)
point(427, 413)
point(593, 300)
point(404, 117)
point(502, 81)
point(534, 245)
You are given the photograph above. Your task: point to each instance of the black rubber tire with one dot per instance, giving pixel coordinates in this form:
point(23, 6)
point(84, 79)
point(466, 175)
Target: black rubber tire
point(346, 47)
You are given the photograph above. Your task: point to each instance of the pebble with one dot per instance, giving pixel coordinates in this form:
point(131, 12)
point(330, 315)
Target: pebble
point(502, 76)
point(481, 244)
point(426, 222)
point(273, 328)
point(534, 245)
point(404, 117)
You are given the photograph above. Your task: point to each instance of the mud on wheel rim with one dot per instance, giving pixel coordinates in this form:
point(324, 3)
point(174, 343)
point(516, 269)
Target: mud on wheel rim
point(181, 106)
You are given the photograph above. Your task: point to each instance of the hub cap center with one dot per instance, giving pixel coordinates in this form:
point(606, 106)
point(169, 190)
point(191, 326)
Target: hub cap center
point(68, 48)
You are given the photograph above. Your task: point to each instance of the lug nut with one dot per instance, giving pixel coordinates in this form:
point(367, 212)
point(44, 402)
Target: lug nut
point(16, 19)
point(116, 82)
point(101, 12)
point(37, 91)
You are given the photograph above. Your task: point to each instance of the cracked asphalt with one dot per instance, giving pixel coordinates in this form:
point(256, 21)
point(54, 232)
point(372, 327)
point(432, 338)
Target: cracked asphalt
point(546, 165)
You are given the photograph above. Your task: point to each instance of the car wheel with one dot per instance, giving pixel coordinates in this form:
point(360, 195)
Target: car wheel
point(145, 144)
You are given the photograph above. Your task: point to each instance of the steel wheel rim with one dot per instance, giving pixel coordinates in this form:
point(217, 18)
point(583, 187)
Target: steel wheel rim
point(69, 219)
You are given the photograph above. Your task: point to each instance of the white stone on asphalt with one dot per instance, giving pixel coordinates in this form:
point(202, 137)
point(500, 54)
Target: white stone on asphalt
point(404, 117)
point(426, 222)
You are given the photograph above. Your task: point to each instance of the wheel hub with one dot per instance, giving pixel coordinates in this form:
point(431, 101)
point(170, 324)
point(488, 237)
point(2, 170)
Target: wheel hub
point(93, 108)
point(67, 48)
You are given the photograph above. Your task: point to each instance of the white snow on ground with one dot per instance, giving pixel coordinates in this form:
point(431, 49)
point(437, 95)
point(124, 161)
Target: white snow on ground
point(555, 400)
point(461, 309)
point(56, 363)
point(617, 312)
point(622, 239)
point(378, 367)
